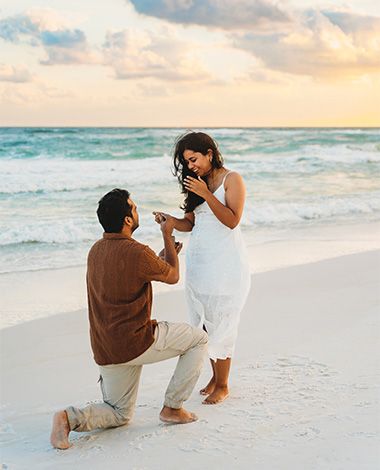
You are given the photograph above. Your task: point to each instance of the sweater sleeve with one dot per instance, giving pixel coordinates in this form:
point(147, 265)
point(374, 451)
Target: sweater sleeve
point(151, 266)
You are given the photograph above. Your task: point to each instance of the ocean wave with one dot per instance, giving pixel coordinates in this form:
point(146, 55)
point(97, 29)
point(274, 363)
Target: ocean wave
point(154, 175)
point(265, 213)
point(60, 230)
point(68, 231)
point(347, 154)
point(281, 142)
point(52, 130)
point(330, 145)
point(312, 158)
point(15, 143)
point(50, 232)
point(46, 175)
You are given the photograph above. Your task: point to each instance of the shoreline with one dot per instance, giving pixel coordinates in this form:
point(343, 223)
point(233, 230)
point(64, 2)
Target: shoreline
point(304, 382)
point(50, 292)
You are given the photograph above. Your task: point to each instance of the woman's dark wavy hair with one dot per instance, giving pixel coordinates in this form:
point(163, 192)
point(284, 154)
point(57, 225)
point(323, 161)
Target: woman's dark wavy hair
point(197, 142)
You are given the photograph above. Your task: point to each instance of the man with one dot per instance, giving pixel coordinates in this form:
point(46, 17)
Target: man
point(123, 336)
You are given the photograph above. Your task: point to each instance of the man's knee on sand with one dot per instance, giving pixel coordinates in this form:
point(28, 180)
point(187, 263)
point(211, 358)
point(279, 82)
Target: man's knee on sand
point(123, 415)
point(123, 419)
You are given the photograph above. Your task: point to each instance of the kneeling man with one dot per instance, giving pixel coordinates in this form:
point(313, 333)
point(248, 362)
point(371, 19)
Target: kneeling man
point(123, 336)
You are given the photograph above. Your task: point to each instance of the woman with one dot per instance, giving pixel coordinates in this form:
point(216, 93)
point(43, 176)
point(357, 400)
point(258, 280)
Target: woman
point(217, 271)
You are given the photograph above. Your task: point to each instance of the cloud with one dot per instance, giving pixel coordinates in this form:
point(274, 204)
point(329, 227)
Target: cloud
point(46, 28)
point(318, 43)
point(63, 38)
point(36, 93)
point(70, 56)
point(156, 91)
point(264, 76)
point(20, 25)
point(321, 44)
point(30, 25)
point(352, 23)
point(68, 47)
point(15, 74)
point(143, 54)
point(225, 14)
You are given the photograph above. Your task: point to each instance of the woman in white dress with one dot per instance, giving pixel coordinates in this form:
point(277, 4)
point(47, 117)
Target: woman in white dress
point(217, 270)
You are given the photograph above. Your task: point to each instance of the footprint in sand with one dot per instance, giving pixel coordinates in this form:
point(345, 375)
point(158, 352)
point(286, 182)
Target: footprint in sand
point(7, 433)
point(309, 433)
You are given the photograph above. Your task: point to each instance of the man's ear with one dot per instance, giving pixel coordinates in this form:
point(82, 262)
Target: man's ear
point(128, 220)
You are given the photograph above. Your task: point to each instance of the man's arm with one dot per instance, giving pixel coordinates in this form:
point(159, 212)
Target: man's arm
point(170, 253)
point(171, 258)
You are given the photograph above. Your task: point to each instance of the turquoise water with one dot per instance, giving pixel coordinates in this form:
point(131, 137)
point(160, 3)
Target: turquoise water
point(52, 178)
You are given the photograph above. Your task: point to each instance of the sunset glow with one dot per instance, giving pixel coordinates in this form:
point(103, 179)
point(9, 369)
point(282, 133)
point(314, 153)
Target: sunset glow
point(190, 63)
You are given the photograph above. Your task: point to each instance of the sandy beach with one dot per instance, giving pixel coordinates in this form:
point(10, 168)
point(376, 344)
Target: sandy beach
point(304, 383)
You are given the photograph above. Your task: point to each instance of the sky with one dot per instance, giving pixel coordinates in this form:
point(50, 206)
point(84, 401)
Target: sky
point(190, 63)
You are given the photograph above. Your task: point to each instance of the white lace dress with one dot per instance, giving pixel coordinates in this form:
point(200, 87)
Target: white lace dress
point(217, 278)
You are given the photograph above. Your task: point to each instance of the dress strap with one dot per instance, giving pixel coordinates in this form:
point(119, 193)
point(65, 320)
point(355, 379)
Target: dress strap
point(225, 176)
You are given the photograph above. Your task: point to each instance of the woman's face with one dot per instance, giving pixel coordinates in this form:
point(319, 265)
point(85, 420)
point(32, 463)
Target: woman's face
point(197, 162)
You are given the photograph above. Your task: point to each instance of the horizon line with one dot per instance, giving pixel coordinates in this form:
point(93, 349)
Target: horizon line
point(189, 127)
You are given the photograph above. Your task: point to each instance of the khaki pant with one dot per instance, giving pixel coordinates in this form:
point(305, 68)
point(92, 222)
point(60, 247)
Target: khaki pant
point(119, 382)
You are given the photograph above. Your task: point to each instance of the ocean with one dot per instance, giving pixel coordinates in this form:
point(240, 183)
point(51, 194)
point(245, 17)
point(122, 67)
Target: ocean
point(52, 178)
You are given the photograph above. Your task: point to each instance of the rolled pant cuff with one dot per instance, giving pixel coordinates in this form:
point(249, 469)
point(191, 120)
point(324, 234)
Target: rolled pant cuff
point(173, 404)
point(72, 418)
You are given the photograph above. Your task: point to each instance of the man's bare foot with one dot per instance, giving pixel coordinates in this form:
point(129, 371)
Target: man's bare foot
point(219, 394)
point(209, 387)
point(177, 416)
point(59, 437)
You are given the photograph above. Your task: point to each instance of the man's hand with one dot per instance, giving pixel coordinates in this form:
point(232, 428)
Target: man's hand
point(167, 226)
point(178, 247)
point(160, 216)
point(166, 221)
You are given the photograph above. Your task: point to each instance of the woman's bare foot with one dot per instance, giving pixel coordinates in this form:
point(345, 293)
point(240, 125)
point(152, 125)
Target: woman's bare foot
point(209, 387)
point(177, 416)
point(59, 437)
point(219, 394)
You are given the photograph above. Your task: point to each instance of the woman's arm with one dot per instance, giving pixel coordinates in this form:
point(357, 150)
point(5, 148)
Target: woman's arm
point(185, 224)
point(229, 214)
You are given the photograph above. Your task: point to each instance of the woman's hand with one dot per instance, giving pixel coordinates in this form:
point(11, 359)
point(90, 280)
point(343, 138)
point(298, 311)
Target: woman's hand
point(197, 186)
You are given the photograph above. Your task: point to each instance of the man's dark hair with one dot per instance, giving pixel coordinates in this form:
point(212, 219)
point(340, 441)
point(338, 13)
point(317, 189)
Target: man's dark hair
point(112, 210)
